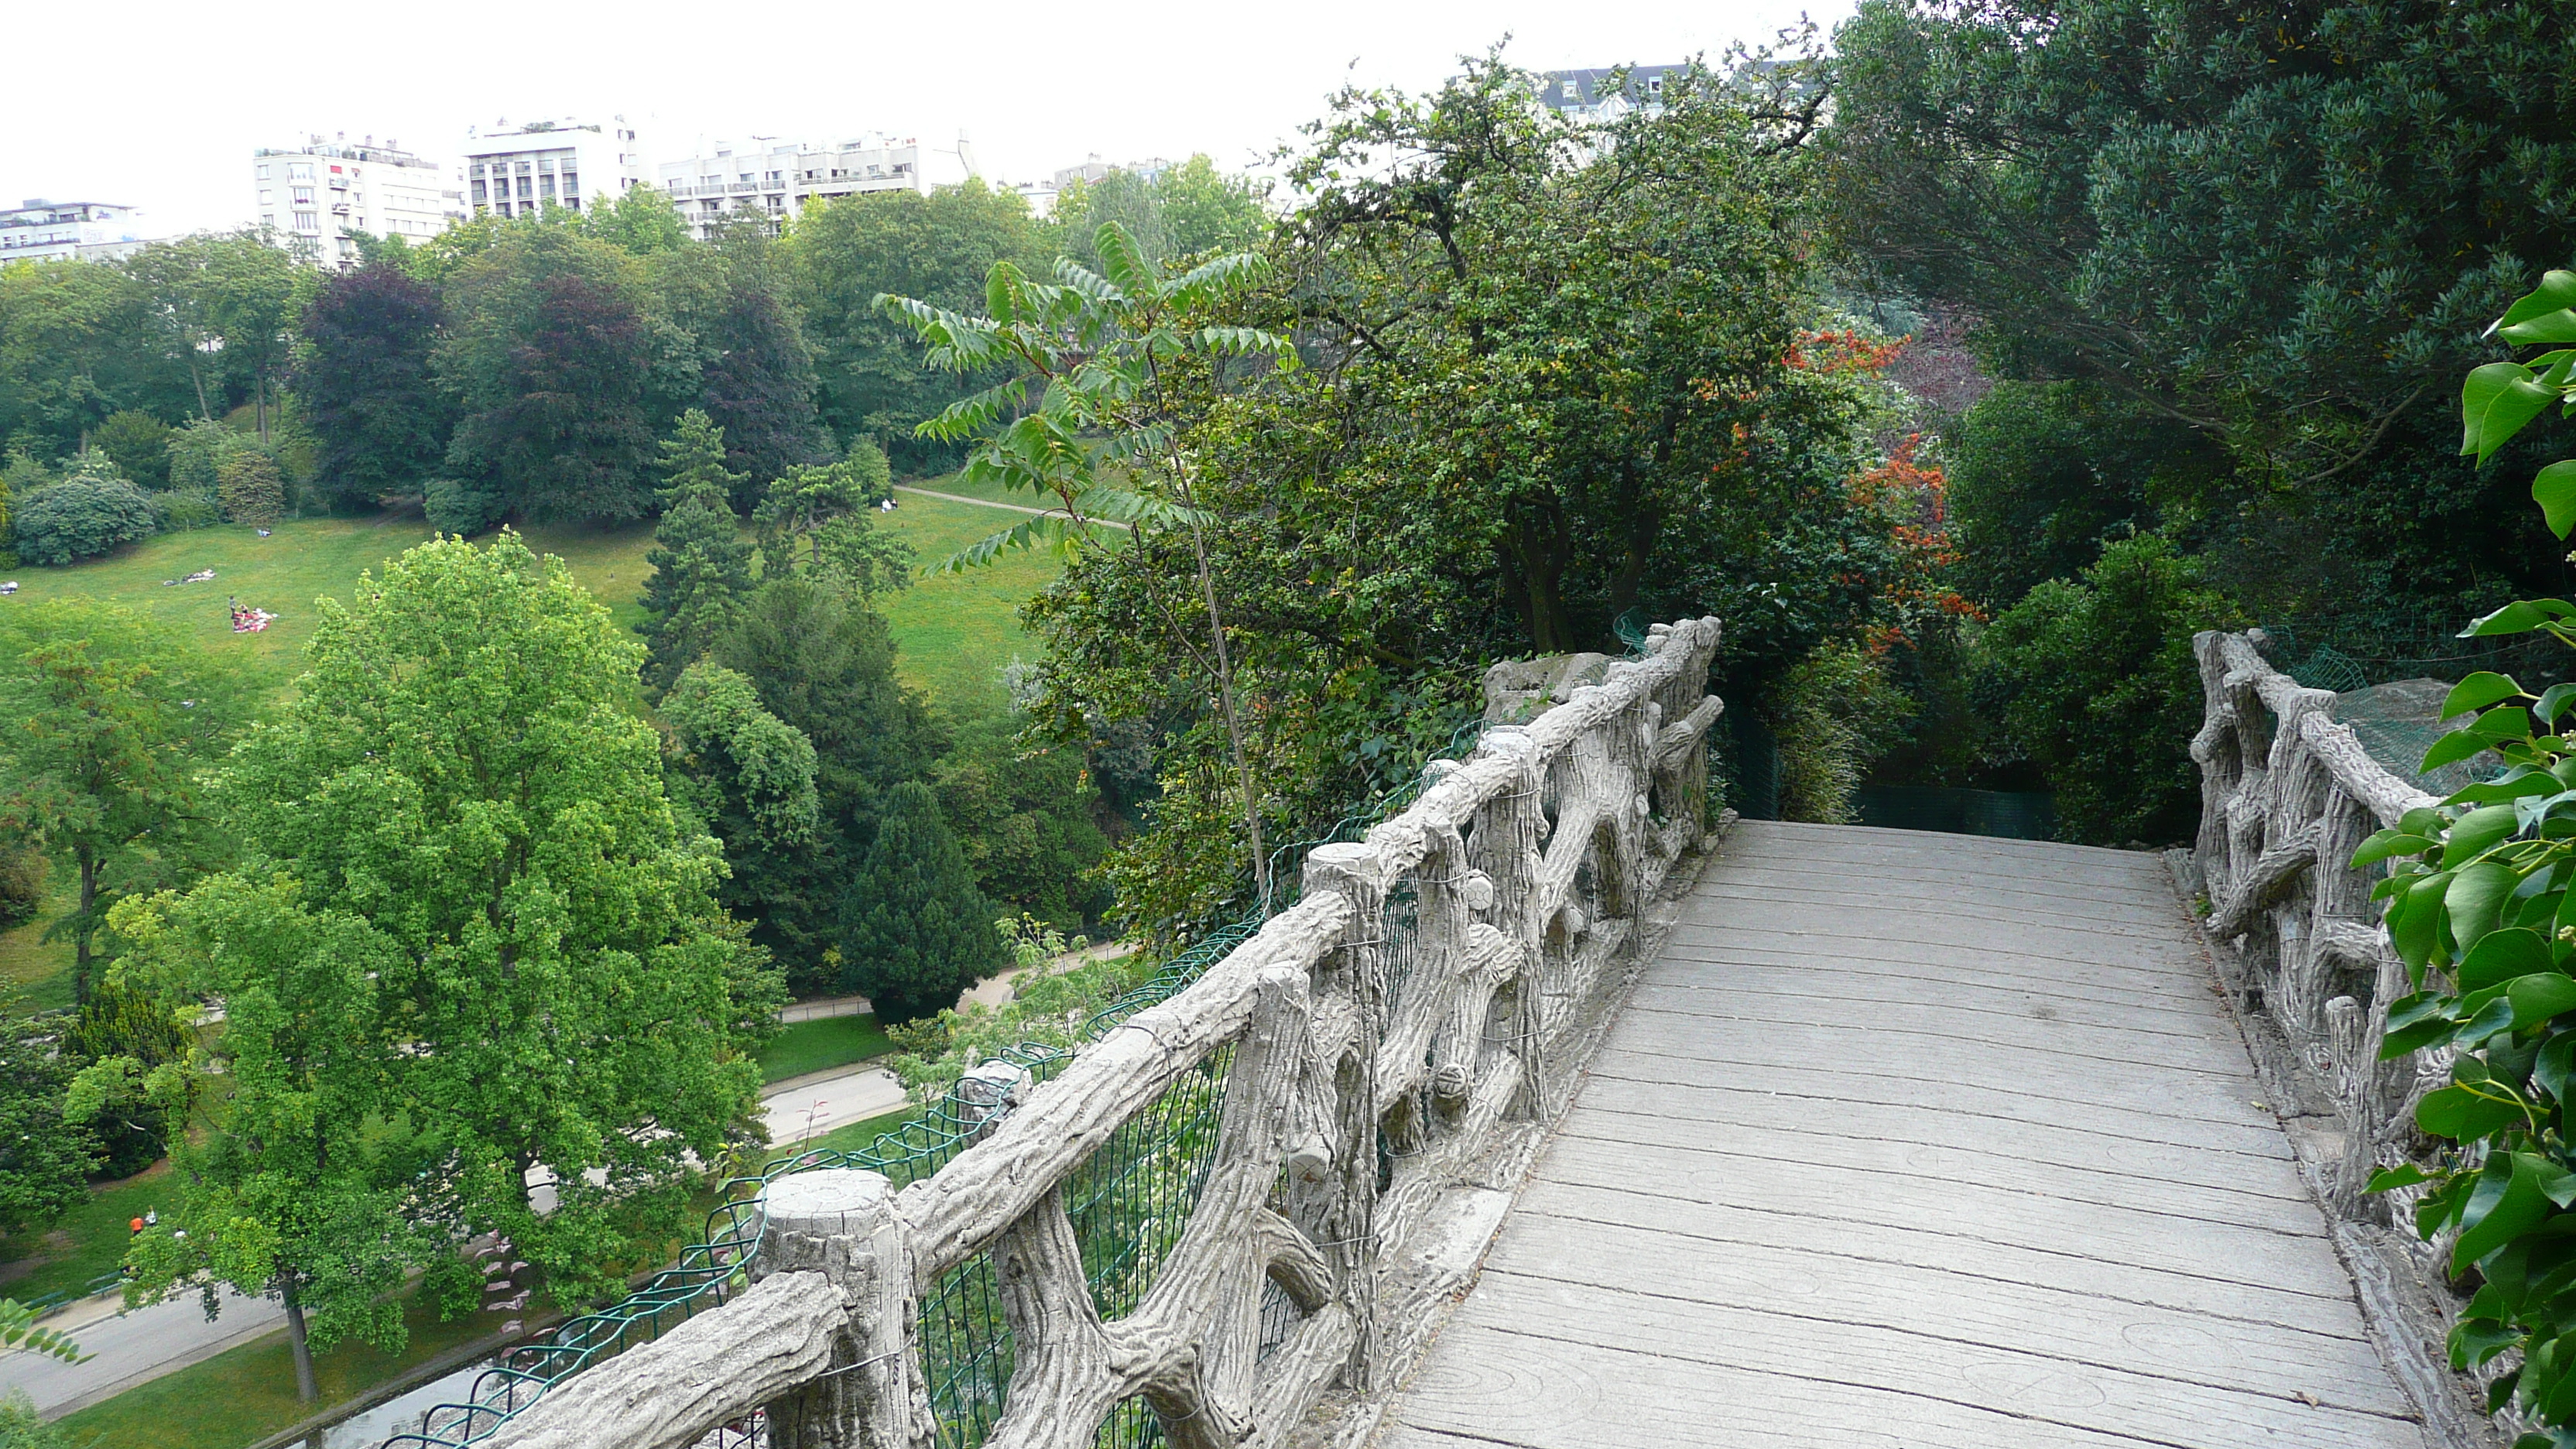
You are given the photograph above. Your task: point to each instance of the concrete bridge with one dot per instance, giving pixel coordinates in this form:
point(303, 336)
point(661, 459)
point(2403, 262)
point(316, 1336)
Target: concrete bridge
point(1550, 1117)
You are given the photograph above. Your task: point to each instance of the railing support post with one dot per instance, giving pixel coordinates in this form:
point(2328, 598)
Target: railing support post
point(1343, 1218)
point(841, 1223)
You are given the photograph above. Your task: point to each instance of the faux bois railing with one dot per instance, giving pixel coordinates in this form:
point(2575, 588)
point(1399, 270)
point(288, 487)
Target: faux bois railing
point(1235, 1199)
point(2287, 795)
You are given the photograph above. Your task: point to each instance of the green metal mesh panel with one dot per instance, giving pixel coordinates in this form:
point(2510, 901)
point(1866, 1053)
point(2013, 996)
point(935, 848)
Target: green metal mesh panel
point(1129, 1204)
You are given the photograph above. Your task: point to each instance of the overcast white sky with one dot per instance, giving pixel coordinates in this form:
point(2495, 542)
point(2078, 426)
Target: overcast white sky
point(158, 104)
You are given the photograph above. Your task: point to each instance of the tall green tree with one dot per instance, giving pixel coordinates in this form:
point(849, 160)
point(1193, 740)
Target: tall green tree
point(2190, 206)
point(79, 343)
point(305, 1178)
point(465, 807)
point(1181, 211)
point(112, 721)
point(701, 563)
point(552, 359)
point(750, 777)
point(44, 1158)
point(823, 663)
point(937, 247)
point(363, 375)
point(754, 371)
point(916, 930)
point(229, 301)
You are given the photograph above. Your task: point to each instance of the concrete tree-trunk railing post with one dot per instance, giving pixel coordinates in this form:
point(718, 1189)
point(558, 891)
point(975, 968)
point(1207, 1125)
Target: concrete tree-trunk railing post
point(1386, 1074)
point(840, 1222)
point(1340, 1211)
point(2287, 793)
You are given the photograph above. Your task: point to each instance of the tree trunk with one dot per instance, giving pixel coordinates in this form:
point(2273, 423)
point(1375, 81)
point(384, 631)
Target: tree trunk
point(259, 408)
point(83, 929)
point(305, 1388)
point(198, 376)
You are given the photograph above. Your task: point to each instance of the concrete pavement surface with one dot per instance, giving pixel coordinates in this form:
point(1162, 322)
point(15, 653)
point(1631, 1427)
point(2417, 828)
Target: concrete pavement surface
point(126, 1349)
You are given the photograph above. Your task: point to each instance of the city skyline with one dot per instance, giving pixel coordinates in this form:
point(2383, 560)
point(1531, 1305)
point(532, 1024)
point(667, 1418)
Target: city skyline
point(1149, 80)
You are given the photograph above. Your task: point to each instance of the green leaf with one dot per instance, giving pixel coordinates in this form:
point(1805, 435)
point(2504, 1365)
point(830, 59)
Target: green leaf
point(2539, 997)
point(2495, 401)
point(2389, 843)
point(2501, 957)
point(2519, 617)
point(2462, 1115)
point(2404, 1175)
point(2415, 919)
point(2550, 1069)
point(2475, 898)
point(2490, 1011)
point(2558, 326)
point(2504, 1205)
point(2479, 690)
point(2554, 489)
point(2557, 291)
point(2457, 745)
point(2476, 833)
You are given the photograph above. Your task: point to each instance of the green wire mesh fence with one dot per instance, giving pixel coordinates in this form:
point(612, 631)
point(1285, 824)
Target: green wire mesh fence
point(1129, 1205)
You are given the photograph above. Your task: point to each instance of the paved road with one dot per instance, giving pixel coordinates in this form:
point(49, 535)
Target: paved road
point(1914, 1141)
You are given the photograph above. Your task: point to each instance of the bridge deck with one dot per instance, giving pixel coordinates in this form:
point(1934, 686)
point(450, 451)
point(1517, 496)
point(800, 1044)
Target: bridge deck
point(1914, 1140)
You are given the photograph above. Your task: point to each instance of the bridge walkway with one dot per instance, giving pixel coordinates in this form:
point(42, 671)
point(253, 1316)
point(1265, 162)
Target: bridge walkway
point(1914, 1141)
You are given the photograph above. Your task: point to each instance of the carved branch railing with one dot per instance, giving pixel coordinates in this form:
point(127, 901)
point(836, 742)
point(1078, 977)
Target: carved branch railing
point(2287, 795)
point(1387, 1046)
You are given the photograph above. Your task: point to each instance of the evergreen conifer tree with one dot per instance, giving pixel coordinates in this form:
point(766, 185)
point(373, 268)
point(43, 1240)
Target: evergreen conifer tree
point(915, 930)
point(701, 564)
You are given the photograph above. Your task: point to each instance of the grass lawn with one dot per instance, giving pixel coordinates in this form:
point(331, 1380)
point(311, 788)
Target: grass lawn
point(831, 1041)
point(858, 1134)
point(247, 1394)
point(955, 632)
point(302, 560)
point(88, 1242)
point(36, 974)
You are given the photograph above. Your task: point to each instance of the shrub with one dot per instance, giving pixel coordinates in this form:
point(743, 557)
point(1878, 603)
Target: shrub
point(1835, 712)
point(197, 454)
point(85, 514)
point(461, 508)
point(23, 873)
point(251, 489)
point(140, 444)
point(186, 509)
point(2097, 686)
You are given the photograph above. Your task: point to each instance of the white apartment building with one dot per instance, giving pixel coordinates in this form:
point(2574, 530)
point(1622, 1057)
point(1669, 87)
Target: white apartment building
point(319, 195)
point(569, 162)
point(775, 179)
point(61, 231)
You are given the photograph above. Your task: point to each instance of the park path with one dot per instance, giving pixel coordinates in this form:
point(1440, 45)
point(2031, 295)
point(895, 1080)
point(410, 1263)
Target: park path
point(1914, 1141)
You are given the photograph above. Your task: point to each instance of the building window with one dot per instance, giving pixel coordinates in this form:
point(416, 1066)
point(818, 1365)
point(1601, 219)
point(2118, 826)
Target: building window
point(1573, 92)
point(478, 191)
point(299, 171)
point(308, 221)
point(261, 171)
point(268, 219)
point(711, 181)
point(524, 192)
point(573, 201)
point(546, 184)
point(303, 196)
point(572, 183)
point(266, 196)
